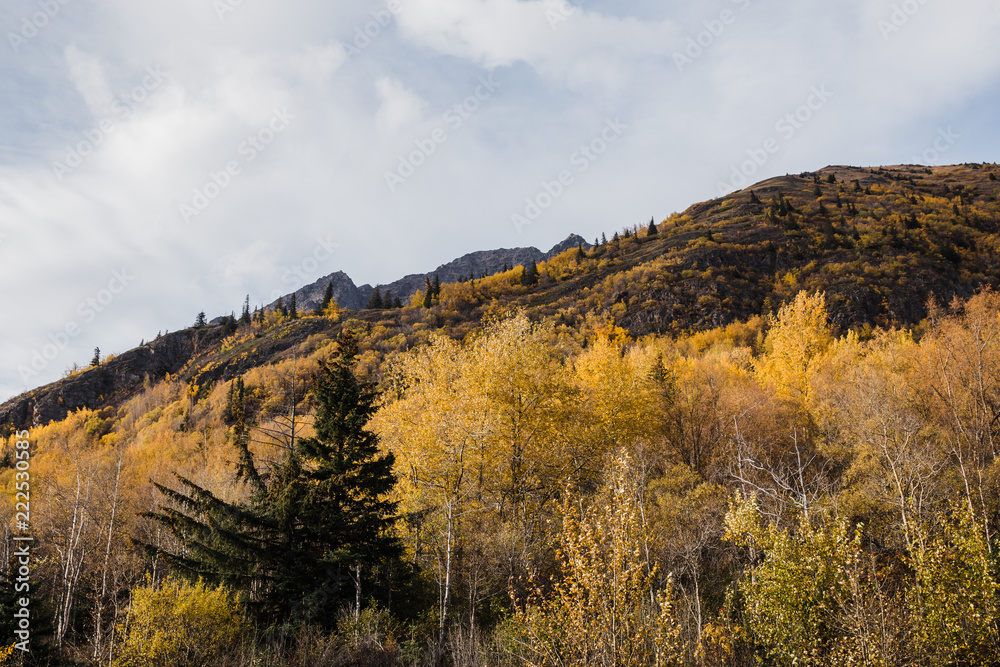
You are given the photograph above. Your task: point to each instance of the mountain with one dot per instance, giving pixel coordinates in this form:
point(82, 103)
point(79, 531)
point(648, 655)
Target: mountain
point(479, 264)
point(879, 242)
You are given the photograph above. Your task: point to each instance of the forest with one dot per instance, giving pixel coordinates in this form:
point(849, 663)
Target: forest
point(770, 492)
point(763, 431)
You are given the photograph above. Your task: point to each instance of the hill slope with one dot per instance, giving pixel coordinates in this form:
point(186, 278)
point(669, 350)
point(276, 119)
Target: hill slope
point(880, 242)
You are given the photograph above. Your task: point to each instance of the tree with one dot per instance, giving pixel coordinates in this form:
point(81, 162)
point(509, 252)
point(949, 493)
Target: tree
point(200, 321)
point(280, 307)
point(375, 302)
point(245, 315)
point(603, 610)
point(316, 523)
point(437, 287)
point(96, 361)
point(651, 231)
point(327, 299)
point(530, 275)
point(428, 293)
point(293, 311)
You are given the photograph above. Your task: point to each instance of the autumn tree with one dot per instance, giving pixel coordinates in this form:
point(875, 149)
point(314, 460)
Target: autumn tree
point(602, 608)
point(315, 523)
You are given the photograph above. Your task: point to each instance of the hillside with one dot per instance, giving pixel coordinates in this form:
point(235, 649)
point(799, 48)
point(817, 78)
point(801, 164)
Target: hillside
point(753, 433)
point(880, 242)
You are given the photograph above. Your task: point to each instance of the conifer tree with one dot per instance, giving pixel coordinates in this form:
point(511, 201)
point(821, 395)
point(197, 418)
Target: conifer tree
point(437, 286)
point(280, 307)
point(293, 312)
point(397, 302)
point(387, 299)
point(651, 231)
point(316, 529)
point(96, 361)
point(375, 301)
point(428, 293)
point(245, 315)
point(327, 299)
point(530, 275)
point(200, 321)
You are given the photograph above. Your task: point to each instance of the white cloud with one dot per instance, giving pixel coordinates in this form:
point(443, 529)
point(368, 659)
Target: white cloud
point(399, 107)
point(564, 70)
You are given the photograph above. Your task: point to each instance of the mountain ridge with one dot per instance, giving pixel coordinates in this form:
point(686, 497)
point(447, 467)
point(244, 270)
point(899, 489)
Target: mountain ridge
point(478, 264)
point(880, 242)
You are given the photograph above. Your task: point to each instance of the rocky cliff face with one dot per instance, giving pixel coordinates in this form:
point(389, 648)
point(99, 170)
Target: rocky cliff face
point(482, 263)
point(111, 382)
point(345, 293)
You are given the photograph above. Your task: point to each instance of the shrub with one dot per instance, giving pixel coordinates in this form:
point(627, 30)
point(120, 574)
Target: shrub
point(178, 624)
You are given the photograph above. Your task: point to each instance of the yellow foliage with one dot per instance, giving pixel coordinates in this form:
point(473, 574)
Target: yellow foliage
point(602, 611)
point(177, 624)
point(799, 334)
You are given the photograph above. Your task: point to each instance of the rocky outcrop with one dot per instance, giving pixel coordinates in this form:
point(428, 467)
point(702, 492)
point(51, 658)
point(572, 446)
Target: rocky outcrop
point(109, 383)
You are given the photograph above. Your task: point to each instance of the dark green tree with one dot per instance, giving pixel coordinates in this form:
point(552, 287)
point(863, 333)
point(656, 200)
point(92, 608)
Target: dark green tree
point(327, 299)
point(245, 315)
point(375, 301)
point(96, 361)
point(293, 311)
point(428, 293)
point(437, 286)
point(397, 302)
point(651, 231)
point(200, 321)
point(530, 275)
point(316, 531)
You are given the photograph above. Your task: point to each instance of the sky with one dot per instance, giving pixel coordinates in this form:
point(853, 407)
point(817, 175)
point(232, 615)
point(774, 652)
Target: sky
point(158, 159)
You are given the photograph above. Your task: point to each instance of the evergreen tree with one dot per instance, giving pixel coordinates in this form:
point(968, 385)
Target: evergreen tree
point(292, 310)
point(530, 275)
point(651, 231)
point(200, 321)
point(580, 254)
point(397, 302)
point(375, 302)
point(437, 286)
point(96, 361)
point(245, 315)
point(428, 293)
point(387, 299)
point(604, 239)
point(228, 324)
point(280, 307)
point(327, 299)
point(316, 529)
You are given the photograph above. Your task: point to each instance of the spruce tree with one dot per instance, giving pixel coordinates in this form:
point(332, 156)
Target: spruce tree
point(437, 286)
point(327, 299)
point(96, 361)
point(397, 302)
point(316, 529)
point(428, 293)
point(387, 299)
point(375, 301)
point(245, 315)
point(293, 312)
point(200, 321)
point(530, 275)
point(651, 231)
